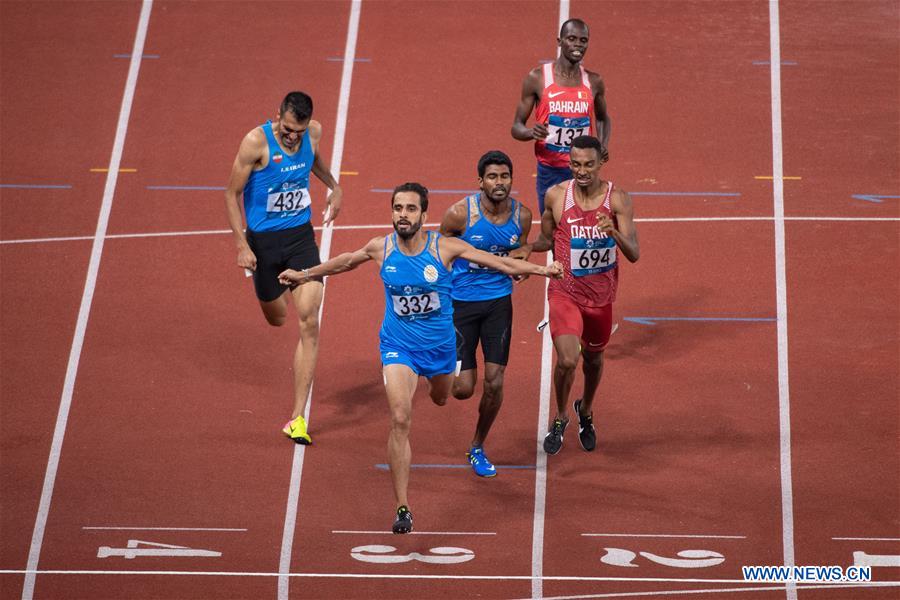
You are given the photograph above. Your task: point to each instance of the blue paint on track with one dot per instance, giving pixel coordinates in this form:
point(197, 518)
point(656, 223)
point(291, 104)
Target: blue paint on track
point(35, 186)
point(875, 198)
point(390, 190)
point(385, 467)
point(185, 187)
point(654, 320)
point(723, 194)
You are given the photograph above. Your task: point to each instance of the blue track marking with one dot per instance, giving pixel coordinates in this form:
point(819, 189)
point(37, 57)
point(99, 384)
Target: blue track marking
point(722, 194)
point(390, 190)
point(385, 467)
point(35, 186)
point(186, 187)
point(876, 198)
point(654, 320)
point(129, 55)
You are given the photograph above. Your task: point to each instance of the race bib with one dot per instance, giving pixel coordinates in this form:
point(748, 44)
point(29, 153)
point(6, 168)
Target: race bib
point(289, 198)
point(588, 256)
point(478, 268)
point(411, 306)
point(562, 130)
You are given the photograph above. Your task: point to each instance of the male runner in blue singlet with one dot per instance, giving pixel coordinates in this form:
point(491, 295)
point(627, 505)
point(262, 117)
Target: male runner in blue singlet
point(272, 170)
point(417, 335)
point(482, 298)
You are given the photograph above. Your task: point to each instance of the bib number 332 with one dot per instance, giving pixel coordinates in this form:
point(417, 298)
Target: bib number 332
point(416, 304)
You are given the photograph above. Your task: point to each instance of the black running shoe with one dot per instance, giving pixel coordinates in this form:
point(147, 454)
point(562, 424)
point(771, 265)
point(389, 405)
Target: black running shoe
point(554, 438)
point(403, 524)
point(586, 434)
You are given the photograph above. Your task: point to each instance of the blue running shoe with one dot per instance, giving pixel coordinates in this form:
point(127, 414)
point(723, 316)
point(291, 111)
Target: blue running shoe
point(480, 463)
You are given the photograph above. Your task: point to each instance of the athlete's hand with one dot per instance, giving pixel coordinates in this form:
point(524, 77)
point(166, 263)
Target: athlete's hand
point(333, 205)
point(246, 259)
point(604, 155)
point(539, 131)
point(292, 277)
point(521, 253)
point(554, 270)
point(606, 225)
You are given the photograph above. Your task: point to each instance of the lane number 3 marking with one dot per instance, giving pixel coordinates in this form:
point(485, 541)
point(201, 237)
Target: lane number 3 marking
point(442, 555)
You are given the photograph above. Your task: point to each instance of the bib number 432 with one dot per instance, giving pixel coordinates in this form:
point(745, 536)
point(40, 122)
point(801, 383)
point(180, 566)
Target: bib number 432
point(288, 200)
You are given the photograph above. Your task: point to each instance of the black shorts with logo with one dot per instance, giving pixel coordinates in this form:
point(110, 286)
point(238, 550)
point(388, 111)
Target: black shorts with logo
point(489, 321)
point(292, 248)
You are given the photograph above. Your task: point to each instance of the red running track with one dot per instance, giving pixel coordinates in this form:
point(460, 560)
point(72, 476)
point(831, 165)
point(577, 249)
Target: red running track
point(181, 387)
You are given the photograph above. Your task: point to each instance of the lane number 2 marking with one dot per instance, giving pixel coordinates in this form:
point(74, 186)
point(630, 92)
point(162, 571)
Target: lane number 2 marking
point(687, 559)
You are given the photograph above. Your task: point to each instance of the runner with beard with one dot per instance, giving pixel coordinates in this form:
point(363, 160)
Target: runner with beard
point(482, 298)
point(417, 334)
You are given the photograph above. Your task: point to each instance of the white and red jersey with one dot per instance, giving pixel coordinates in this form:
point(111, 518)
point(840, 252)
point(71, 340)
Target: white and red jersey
point(588, 255)
point(568, 113)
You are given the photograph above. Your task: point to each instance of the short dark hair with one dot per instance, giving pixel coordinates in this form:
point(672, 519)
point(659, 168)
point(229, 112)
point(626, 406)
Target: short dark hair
point(298, 103)
point(412, 186)
point(493, 157)
point(588, 141)
point(573, 22)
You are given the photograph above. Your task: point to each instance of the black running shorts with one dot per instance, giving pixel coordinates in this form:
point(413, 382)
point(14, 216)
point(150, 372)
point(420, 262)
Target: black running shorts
point(489, 321)
point(275, 251)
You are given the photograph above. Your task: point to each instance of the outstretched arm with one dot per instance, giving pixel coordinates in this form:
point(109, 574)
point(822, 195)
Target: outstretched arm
point(339, 264)
point(456, 248)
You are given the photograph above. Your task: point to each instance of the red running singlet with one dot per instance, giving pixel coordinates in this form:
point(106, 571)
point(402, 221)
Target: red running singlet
point(588, 256)
point(568, 113)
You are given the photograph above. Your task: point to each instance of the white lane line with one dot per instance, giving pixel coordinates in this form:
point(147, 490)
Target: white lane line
point(867, 539)
point(337, 153)
point(784, 404)
point(540, 471)
point(164, 528)
point(710, 591)
point(870, 584)
point(416, 532)
point(666, 535)
point(387, 226)
point(84, 310)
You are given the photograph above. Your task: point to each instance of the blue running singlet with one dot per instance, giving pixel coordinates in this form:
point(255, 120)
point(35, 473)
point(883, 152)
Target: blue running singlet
point(472, 282)
point(418, 312)
point(277, 197)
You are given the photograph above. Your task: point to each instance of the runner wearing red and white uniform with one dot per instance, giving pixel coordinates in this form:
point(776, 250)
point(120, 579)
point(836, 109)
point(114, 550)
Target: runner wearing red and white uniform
point(588, 222)
point(567, 101)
